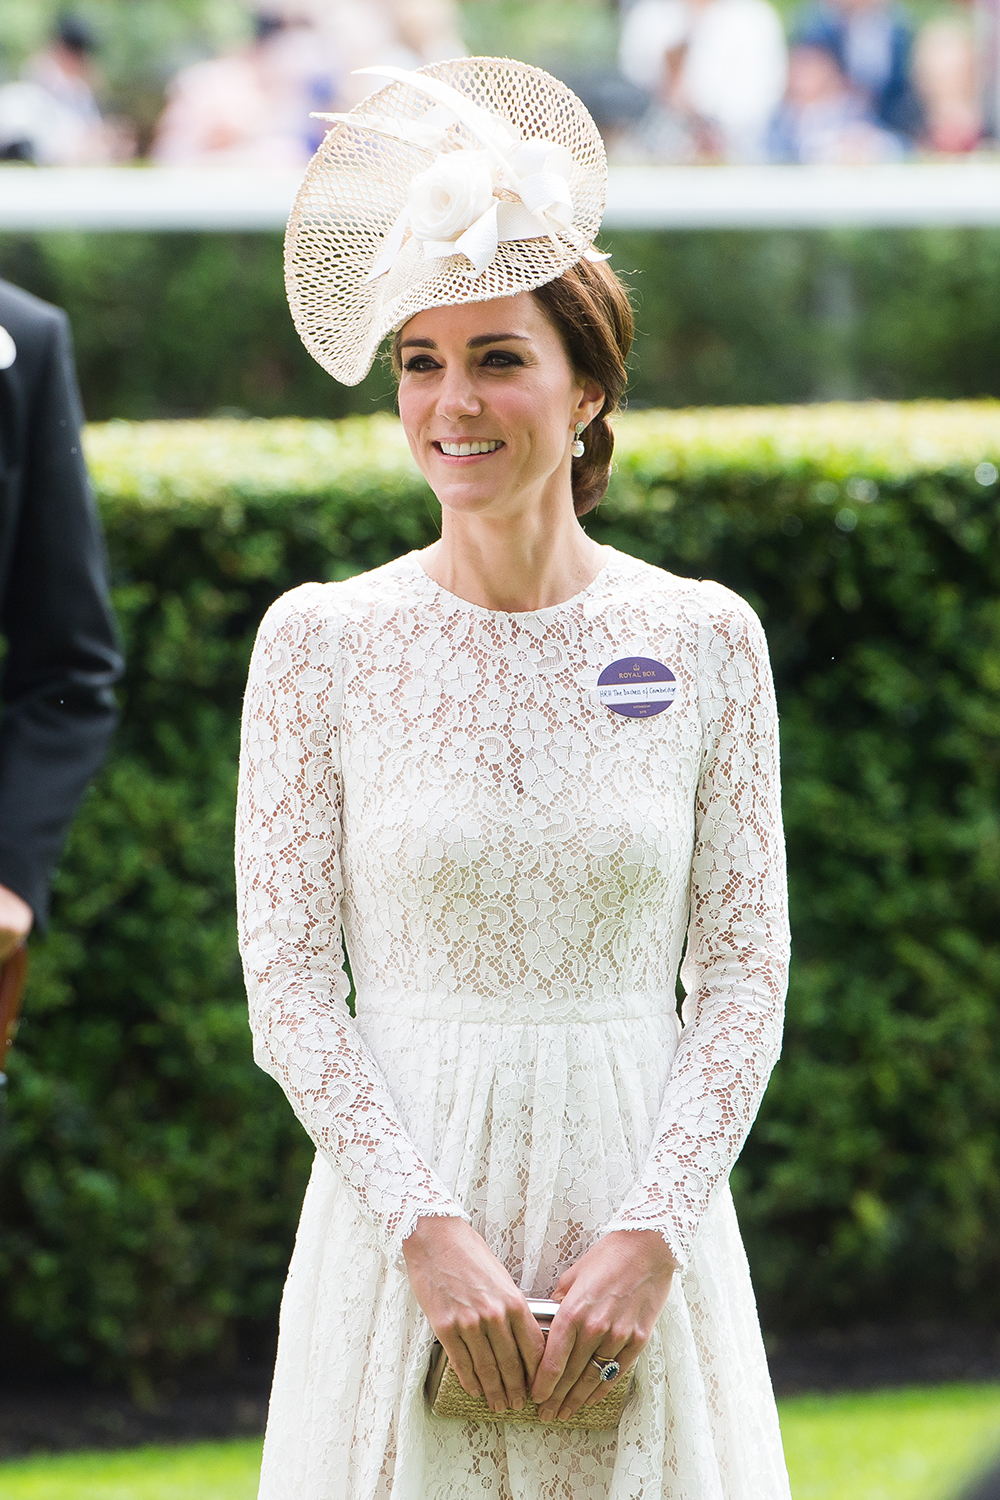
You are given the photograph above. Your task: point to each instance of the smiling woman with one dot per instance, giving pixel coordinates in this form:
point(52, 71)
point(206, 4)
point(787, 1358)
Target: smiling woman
point(491, 416)
point(590, 311)
point(519, 775)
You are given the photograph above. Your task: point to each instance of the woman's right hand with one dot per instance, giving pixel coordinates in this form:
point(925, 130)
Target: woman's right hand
point(475, 1309)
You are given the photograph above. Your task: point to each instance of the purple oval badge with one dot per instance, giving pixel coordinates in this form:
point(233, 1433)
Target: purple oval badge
point(637, 686)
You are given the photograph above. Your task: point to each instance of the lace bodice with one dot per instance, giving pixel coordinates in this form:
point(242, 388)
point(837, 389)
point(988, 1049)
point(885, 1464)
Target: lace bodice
point(442, 783)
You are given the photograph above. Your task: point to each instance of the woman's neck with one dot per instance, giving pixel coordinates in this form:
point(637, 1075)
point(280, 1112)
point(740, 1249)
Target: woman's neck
point(513, 565)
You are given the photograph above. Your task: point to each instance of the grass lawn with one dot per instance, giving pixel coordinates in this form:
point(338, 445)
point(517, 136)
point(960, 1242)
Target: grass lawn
point(202, 1471)
point(916, 1444)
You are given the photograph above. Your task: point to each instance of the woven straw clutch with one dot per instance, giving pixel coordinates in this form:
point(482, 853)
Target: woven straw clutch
point(447, 1398)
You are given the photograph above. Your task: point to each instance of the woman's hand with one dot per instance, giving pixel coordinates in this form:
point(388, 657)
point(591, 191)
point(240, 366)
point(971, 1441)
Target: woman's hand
point(611, 1299)
point(16, 918)
point(475, 1309)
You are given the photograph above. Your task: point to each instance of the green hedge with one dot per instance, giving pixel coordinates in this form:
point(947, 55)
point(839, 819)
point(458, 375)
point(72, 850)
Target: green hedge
point(151, 1176)
point(191, 324)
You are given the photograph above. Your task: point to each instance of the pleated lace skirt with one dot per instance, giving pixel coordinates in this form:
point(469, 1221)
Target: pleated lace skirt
point(539, 1130)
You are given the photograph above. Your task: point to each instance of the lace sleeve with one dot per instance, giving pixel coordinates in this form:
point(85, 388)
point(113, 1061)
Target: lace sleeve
point(736, 965)
point(289, 892)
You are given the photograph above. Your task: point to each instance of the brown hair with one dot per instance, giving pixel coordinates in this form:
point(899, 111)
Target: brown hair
point(590, 310)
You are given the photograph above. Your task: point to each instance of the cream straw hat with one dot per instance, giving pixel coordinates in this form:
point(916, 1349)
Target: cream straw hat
point(464, 181)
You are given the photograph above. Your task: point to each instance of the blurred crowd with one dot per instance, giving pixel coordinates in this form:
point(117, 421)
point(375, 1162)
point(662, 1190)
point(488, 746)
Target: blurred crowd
point(249, 106)
point(845, 81)
point(853, 81)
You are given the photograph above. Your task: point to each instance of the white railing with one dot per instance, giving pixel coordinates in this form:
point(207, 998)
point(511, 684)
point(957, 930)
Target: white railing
point(908, 194)
point(105, 198)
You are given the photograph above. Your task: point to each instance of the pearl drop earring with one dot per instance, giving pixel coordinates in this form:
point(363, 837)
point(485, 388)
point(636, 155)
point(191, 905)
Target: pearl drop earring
point(576, 446)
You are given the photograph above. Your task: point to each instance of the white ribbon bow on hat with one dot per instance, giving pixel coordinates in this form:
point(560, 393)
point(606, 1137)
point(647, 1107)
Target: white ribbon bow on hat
point(452, 207)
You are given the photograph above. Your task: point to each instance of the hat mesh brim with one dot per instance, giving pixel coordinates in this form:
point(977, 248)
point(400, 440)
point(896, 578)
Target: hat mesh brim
point(358, 182)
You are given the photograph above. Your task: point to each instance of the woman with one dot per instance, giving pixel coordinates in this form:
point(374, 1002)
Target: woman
point(520, 772)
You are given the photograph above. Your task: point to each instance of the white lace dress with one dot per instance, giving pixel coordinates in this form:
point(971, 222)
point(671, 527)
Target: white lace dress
point(516, 868)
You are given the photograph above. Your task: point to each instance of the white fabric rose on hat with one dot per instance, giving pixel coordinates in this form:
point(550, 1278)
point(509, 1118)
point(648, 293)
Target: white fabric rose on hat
point(452, 208)
point(450, 196)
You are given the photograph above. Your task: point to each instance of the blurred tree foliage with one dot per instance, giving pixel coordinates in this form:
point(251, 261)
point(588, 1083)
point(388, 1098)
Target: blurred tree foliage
point(180, 325)
point(151, 1175)
point(191, 324)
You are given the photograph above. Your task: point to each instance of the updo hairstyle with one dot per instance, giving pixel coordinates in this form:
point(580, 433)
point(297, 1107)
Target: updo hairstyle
point(590, 310)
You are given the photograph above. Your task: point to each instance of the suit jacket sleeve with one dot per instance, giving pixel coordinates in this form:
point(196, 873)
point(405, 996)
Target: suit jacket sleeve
point(62, 655)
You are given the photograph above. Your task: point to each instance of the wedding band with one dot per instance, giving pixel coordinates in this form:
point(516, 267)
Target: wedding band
point(610, 1368)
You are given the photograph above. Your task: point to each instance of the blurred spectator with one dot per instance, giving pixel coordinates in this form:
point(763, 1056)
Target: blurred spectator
point(945, 79)
point(51, 116)
point(428, 29)
point(824, 119)
point(715, 71)
point(250, 107)
point(872, 41)
point(406, 33)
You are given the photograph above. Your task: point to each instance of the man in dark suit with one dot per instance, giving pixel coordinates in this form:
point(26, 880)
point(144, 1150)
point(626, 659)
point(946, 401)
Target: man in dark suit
point(62, 654)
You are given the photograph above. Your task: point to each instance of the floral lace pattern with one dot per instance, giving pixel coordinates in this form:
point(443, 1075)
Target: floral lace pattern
point(516, 870)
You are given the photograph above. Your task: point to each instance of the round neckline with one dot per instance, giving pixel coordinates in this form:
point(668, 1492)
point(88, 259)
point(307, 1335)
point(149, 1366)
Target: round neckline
point(457, 601)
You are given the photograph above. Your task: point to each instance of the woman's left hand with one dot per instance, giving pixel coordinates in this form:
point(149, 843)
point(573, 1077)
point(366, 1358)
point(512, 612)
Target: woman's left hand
point(610, 1301)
